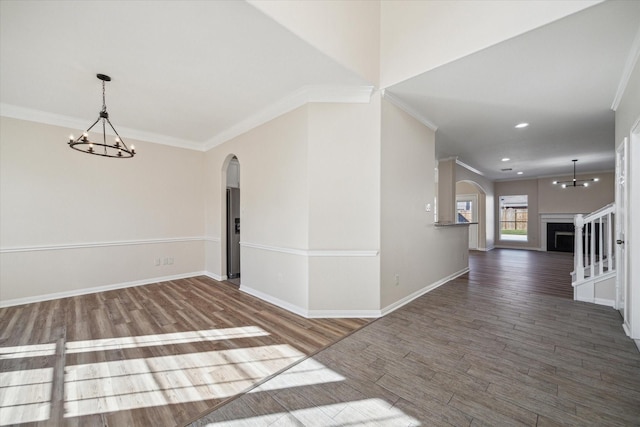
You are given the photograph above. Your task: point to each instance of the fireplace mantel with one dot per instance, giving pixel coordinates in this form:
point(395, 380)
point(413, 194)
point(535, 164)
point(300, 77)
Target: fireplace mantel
point(547, 218)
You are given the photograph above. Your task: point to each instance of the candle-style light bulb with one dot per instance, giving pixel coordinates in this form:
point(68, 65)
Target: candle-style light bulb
point(133, 149)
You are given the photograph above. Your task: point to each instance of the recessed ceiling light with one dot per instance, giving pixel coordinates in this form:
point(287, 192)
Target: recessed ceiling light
point(522, 125)
point(505, 159)
point(520, 173)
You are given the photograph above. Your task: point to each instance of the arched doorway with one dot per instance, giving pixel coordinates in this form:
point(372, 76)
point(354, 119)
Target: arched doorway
point(231, 219)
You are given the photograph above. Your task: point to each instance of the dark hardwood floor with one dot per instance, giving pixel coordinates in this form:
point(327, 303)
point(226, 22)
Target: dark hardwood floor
point(521, 271)
point(155, 355)
point(503, 345)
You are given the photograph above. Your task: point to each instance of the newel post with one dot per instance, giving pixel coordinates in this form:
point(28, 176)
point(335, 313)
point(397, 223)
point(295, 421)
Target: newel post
point(578, 261)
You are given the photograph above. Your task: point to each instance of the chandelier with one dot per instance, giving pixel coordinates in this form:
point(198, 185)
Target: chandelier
point(575, 182)
point(116, 149)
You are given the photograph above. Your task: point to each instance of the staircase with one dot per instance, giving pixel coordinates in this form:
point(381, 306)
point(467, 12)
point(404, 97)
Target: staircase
point(594, 260)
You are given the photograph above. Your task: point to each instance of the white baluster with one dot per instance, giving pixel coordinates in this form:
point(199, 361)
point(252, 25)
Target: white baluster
point(601, 247)
point(592, 246)
point(610, 263)
point(578, 262)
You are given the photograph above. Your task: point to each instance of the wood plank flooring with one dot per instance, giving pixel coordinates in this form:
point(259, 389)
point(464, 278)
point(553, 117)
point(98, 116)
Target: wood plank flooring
point(503, 345)
point(155, 355)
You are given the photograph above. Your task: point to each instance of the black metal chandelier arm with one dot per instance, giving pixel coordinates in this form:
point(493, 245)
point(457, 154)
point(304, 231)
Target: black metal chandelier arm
point(119, 140)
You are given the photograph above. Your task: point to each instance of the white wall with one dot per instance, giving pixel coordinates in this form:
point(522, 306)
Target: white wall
point(344, 206)
point(411, 246)
point(309, 224)
point(316, 203)
point(555, 199)
point(447, 190)
point(347, 31)
point(417, 36)
point(274, 213)
point(70, 221)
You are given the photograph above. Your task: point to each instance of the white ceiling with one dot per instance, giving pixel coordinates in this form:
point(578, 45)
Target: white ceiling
point(183, 71)
point(186, 73)
point(561, 78)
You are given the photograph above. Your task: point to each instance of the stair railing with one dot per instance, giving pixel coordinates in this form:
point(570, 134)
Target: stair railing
point(593, 247)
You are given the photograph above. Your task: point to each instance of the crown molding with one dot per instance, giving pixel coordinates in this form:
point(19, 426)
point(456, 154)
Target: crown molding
point(469, 168)
point(407, 109)
point(632, 59)
point(307, 94)
point(15, 112)
point(446, 159)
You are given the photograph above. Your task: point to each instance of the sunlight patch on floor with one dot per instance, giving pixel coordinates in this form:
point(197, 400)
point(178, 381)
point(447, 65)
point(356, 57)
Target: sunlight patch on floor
point(25, 396)
point(94, 388)
point(136, 383)
point(164, 339)
point(373, 412)
point(33, 350)
point(306, 373)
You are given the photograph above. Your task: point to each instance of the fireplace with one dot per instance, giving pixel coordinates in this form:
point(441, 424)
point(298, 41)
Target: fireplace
point(560, 236)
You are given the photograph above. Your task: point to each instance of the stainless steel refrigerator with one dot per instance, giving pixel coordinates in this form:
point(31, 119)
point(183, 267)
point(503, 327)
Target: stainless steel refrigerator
point(233, 233)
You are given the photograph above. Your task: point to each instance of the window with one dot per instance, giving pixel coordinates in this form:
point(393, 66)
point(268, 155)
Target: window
point(514, 215)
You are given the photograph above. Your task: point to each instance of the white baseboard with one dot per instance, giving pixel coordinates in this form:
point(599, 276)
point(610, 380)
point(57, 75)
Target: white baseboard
point(85, 291)
point(525, 248)
point(599, 301)
point(406, 300)
point(350, 313)
point(310, 314)
point(603, 301)
point(275, 301)
point(343, 314)
point(215, 276)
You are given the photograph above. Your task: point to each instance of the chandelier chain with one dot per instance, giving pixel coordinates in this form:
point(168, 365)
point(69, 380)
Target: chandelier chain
point(104, 102)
